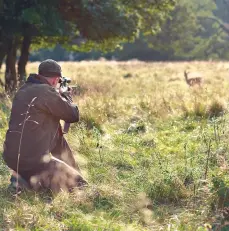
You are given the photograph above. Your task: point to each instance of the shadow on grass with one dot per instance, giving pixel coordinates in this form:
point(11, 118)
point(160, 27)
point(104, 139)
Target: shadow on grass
point(6, 202)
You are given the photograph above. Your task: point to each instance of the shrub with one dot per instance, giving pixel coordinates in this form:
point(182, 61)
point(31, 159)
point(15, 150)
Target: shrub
point(166, 189)
point(216, 108)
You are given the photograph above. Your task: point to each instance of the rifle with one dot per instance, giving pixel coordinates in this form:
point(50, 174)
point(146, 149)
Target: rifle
point(64, 88)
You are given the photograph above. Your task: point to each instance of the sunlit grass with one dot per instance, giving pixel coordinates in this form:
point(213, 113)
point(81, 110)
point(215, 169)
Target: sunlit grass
point(153, 149)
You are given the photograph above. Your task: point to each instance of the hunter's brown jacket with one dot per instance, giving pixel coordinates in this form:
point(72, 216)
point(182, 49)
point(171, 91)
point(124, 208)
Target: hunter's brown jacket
point(35, 123)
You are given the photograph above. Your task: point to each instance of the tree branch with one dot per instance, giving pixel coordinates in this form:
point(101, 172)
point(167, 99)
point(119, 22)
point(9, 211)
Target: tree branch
point(224, 26)
point(226, 2)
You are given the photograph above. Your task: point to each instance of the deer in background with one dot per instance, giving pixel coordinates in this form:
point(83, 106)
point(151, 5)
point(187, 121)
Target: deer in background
point(193, 80)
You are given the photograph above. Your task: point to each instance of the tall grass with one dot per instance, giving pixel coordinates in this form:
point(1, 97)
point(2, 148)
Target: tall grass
point(154, 150)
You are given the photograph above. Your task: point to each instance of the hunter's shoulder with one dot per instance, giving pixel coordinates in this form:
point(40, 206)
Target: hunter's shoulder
point(41, 88)
point(46, 87)
point(49, 89)
point(46, 91)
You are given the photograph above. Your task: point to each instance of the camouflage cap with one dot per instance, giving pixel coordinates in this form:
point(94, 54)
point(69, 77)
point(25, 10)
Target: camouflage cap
point(49, 68)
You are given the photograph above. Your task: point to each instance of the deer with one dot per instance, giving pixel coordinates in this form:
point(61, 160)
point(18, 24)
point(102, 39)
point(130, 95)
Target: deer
point(192, 81)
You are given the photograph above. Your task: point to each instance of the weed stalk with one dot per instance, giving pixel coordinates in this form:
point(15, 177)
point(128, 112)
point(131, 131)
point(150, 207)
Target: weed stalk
point(26, 119)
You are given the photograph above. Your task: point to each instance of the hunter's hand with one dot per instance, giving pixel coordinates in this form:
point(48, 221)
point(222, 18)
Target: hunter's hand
point(67, 95)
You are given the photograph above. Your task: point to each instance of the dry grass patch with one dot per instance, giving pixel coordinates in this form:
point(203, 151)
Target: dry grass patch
point(149, 144)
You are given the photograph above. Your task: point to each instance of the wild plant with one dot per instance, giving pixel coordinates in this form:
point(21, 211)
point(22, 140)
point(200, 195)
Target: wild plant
point(97, 135)
point(27, 118)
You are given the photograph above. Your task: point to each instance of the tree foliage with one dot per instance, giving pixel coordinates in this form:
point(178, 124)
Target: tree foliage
point(183, 35)
point(193, 30)
point(83, 24)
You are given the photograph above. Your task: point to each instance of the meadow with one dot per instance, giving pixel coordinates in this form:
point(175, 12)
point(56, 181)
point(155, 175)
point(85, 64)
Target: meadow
point(154, 150)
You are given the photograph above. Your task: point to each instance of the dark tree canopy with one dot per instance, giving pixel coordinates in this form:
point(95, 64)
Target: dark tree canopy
point(77, 25)
point(192, 30)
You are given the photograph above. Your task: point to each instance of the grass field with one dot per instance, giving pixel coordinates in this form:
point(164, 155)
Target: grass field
point(154, 148)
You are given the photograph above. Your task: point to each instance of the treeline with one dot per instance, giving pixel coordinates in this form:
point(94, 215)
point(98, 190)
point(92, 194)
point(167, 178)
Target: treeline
point(26, 25)
point(193, 30)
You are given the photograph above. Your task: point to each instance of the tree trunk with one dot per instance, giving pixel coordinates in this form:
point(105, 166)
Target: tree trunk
point(24, 57)
point(3, 48)
point(2, 55)
point(10, 73)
